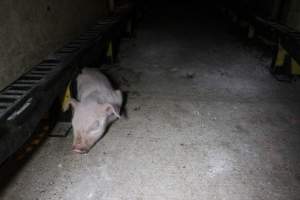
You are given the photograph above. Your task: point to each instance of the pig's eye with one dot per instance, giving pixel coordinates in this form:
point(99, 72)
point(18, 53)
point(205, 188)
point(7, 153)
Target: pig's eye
point(94, 126)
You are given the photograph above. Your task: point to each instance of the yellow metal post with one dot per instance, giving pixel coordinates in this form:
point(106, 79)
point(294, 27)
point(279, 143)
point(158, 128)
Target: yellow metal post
point(109, 53)
point(66, 98)
point(280, 57)
point(295, 67)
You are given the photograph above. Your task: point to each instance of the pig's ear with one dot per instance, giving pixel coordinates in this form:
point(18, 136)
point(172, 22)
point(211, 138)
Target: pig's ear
point(73, 103)
point(111, 109)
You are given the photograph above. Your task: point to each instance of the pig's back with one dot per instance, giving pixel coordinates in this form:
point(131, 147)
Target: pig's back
point(91, 83)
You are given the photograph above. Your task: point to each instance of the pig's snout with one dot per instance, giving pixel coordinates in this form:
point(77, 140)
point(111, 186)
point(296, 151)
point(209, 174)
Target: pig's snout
point(78, 148)
point(79, 145)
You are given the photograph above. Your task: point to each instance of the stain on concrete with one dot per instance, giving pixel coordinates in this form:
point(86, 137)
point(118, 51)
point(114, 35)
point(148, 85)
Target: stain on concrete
point(241, 129)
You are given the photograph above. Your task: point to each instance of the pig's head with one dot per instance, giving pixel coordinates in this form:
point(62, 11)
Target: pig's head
point(90, 120)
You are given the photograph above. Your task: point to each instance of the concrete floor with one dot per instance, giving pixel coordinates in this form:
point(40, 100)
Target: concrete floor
point(205, 121)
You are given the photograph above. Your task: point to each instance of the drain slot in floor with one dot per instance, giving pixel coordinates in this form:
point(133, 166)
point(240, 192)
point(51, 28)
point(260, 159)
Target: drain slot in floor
point(20, 87)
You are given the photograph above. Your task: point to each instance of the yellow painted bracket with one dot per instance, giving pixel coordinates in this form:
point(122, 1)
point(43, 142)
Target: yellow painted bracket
point(109, 52)
point(280, 57)
point(66, 98)
point(295, 67)
point(282, 54)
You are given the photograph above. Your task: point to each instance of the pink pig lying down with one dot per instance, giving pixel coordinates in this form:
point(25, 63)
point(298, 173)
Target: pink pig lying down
point(98, 106)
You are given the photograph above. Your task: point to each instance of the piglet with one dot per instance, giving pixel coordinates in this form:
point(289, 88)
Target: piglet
point(98, 106)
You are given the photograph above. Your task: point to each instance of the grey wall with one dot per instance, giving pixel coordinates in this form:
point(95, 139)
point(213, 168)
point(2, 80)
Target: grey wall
point(31, 29)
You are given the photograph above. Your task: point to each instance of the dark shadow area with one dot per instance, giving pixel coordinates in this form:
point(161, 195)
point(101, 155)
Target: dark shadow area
point(15, 163)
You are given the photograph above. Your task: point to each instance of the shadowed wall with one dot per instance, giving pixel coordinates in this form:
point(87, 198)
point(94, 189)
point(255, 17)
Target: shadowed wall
point(32, 29)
